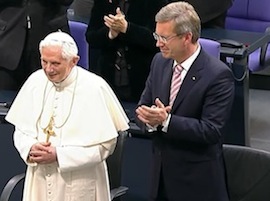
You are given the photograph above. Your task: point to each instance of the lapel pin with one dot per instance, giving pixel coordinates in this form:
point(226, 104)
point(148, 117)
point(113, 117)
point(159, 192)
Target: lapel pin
point(193, 78)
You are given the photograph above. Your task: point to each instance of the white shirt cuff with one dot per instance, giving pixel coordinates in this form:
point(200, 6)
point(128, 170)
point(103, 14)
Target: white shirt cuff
point(165, 123)
point(150, 128)
point(111, 36)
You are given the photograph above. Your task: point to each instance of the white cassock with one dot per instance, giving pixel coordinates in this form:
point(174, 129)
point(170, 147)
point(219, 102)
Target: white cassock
point(87, 118)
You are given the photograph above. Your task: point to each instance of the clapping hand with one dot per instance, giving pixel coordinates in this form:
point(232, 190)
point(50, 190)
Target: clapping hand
point(153, 115)
point(116, 23)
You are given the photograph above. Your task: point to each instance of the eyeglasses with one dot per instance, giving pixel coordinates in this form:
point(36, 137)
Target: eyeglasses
point(164, 39)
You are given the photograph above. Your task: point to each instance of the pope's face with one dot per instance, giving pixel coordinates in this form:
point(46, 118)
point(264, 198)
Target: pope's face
point(54, 65)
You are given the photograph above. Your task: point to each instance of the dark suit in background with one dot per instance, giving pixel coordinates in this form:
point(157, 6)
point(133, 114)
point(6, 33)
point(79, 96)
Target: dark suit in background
point(187, 155)
point(23, 23)
point(211, 12)
point(138, 42)
point(80, 10)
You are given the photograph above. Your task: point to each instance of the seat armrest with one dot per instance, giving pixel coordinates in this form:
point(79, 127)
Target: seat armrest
point(116, 192)
point(264, 49)
point(10, 186)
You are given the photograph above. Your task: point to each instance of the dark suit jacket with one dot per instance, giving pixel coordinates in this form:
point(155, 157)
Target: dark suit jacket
point(45, 16)
point(209, 9)
point(138, 41)
point(190, 153)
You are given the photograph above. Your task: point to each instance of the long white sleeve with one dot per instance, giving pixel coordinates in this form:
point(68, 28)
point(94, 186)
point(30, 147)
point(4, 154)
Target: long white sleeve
point(23, 143)
point(73, 158)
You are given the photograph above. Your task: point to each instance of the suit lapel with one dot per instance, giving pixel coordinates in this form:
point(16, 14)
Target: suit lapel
point(191, 78)
point(166, 83)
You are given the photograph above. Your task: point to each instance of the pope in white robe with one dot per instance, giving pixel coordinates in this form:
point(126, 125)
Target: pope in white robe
point(82, 115)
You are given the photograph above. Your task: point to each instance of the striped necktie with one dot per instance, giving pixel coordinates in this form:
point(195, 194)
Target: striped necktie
point(176, 82)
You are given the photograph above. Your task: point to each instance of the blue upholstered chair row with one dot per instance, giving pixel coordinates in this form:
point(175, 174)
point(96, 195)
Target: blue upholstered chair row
point(77, 30)
point(254, 16)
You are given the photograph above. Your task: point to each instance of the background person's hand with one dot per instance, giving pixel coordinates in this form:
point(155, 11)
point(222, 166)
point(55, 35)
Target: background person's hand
point(120, 24)
point(116, 23)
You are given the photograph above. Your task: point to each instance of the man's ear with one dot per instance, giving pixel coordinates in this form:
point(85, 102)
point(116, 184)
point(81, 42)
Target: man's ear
point(75, 60)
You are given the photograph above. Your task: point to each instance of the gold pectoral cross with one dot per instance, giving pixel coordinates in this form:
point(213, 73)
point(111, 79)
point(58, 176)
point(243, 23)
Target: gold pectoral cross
point(49, 130)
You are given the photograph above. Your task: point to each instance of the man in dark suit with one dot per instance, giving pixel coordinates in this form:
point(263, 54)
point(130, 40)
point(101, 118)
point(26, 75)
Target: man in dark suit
point(129, 49)
point(186, 133)
point(23, 23)
point(211, 12)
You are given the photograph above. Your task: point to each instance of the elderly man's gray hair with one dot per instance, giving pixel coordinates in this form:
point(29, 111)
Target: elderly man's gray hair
point(63, 40)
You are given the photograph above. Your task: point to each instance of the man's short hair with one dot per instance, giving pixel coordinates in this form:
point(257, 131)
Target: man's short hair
point(63, 40)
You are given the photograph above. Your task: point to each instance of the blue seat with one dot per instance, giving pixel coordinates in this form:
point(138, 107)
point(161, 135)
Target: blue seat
point(77, 30)
point(210, 46)
point(253, 16)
